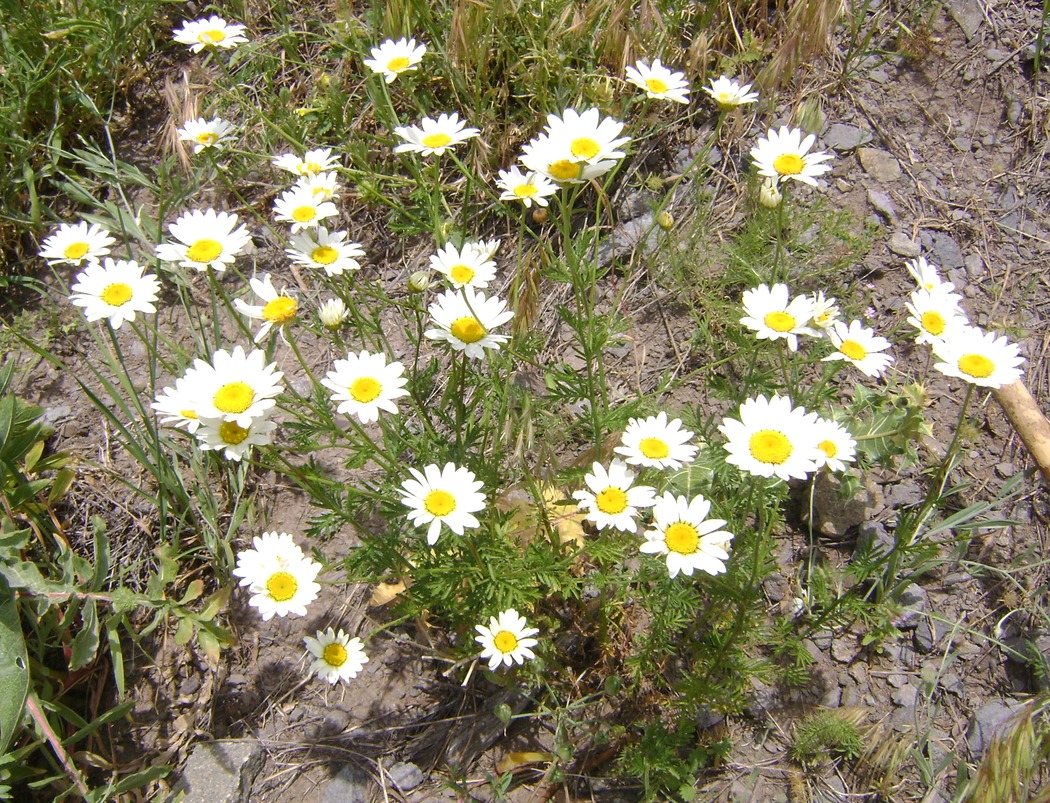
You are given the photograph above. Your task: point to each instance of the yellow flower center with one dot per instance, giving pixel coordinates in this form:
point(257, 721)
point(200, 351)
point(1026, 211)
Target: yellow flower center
point(365, 389)
point(438, 140)
point(281, 310)
point(788, 164)
point(682, 538)
point(304, 214)
point(976, 365)
point(311, 168)
point(853, 350)
point(467, 330)
point(933, 322)
point(117, 294)
point(334, 654)
point(75, 250)
point(234, 397)
point(770, 446)
point(212, 37)
point(204, 250)
point(231, 433)
point(725, 98)
point(564, 170)
point(829, 448)
point(525, 190)
point(461, 274)
point(654, 448)
point(612, 501)
point(656, 86)
point(505, 641)
point(584, 148)
point(398, 64)
point(780, 321)
point(324, 255)
point(439, 503)
point(207, 138)
point(281, 586)
point(190, 414)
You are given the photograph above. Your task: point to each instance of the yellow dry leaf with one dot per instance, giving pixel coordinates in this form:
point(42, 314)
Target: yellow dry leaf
point(385, 593)
point(564, 515)
point(512, 761)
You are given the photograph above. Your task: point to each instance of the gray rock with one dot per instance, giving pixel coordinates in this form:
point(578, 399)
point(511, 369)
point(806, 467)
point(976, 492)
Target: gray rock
point(843, 137)
point(832, 698)
point(883, 204)
point(350, 785)
point(990, 721)
point(914, 596)
point(902, 245)
point(220, 771)
point(642, 231)
point(406, 776)
point(946, 251)
point(897, 680)
point(905, 696)
point(927, 634)
point(872, 535)
point(968, 15)
point(879, 164)
point(975, 267)
point(57, 414)
point(903, 494)
point(834, 515)
point(844, 650)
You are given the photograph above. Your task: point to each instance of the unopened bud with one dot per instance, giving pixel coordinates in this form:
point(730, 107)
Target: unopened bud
point(769, 195)
point(540, 214)
point(333, 313)
point(665, 221)
point(418, 282)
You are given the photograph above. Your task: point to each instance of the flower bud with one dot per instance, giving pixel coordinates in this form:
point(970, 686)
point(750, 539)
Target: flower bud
point(540, 214)
point(665, 221)
point(333, 313)
point(419, 281)
point(768, 194)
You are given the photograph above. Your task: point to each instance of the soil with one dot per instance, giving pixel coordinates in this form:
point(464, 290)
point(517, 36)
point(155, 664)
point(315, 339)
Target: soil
point(951, 165)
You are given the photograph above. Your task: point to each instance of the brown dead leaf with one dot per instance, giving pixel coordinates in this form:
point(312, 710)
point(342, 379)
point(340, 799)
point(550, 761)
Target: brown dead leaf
point(385, 593)
point(512, 761)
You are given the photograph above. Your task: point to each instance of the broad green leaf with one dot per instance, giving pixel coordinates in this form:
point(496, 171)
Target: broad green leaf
point(14, 668)
point(63, 481)
point(184, 631)
point(7, 416)
point(101, 572)
point(85, 643)
point(209, 645)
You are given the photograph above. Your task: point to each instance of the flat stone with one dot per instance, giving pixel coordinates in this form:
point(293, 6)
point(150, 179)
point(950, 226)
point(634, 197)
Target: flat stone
point(405, 775)
point(843, 137)
point(221, 771)
point(989, 722)
point(879, 164)
point(350, 785)
point(871, 537)
point(946, 251)
point(968, 15)
point(843, 650)
point(904, 246)
point(883, 204)
point(905, 696)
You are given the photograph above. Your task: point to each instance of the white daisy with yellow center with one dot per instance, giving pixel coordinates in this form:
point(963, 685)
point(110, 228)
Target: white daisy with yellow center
point(363, 384)
point(278, 575)
point(213, 32)
point(859, 345)
point(464, 267)
point(336, 655)
point(177, 405)
point(935, 314)
point(659, 82)
point(74, 243)
point(465, 319)
point(315, 162)
point(507, 640)
point(302, 209)
point(333, 314)
point(554, 159)
point(207, 133)
point(115, 290)
point(655, 442)
point(234, 386)
point(729, 93)
point(326, 250)
point(433, 137)
point(825, 311)
point(275, 309)
point(981, 358)
point(613, 500)
point(587, 136)
point(836, 444)
point(690, 540)
point(529, 188)
point(390, 59)
point(323, 186)
point(234, 441)
point(772, 315)
point(206, 239)
point(772, 438)
point(449, 496)
point(926, 275)
point(784, 154)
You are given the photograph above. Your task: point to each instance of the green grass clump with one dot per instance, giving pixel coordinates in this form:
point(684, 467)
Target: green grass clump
point(828, 733)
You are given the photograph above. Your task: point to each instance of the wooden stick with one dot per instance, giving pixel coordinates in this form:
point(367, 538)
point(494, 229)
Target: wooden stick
point(1023, 411)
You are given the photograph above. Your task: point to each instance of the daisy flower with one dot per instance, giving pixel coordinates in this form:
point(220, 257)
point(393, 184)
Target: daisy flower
point(234, 387)
point(313, 163)
point(279, 581)
point(691, 541)
point(507, 639)
point(772, 317)
point(393, 58)
point(487, 248)
point(612, 501)
point(364, 384)
point(276, 308)
point(785, 154)
point(772, 439)
point(464, 267)
point(206, 133)
point(234, 441)
point(836, 444)
point(207, 239)
point(448, 496)
point(336, 655)
point(935, 314)
point(658, 82)
point(926, 276)
point(330, 251)
point(177, 406)
point(434, 137)
point(728, 92)
point(333, 313)
point(769, 194)
point(465, 320)
point(211, 32)
point(825, 310)
point(529, 188)
point(861, 346)
point(588, 136)
point(75, 243)
point(554, 160)
point(323, 186)
point(656, 443)
point(981, 358)
point(115, 290)
point(268, 548)
point(301, 208)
